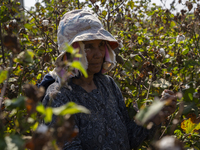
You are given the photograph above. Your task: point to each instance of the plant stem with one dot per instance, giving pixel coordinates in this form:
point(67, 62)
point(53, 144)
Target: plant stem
point(2, 44)
point(78, 4)
point(6, 82)
point(148, 90)
point(117, 6)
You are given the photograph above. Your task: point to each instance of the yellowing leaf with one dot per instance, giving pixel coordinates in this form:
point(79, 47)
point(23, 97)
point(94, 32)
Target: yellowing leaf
point(189, 127)
point(104, 13)
point(69, 49)
point(3, 75)
point(40, 108)
point(173, 24)
point(48, 115)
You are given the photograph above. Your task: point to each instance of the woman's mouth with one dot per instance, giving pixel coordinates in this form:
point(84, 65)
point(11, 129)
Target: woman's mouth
point(96, 64)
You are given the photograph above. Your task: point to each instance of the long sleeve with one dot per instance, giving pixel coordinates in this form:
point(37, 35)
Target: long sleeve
point(108, 126)
point(55, 98)
point(137, 134)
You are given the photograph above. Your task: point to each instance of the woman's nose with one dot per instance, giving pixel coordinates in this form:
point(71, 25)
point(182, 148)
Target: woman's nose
point(98, 53)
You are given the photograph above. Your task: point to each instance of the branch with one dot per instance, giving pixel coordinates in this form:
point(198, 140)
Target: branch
point(48, 38)
point(6, 82)
point(121, 67)
point(150, 84)
point(78, 4)
point(96, 11)
point(117, 6)
point(108, 23)
point(2, 44)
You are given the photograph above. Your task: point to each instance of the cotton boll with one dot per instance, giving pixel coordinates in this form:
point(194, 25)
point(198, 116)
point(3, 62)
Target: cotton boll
point(14, 21)
point(165, 94)
point(45, 22)
point(42, 128)
point(183, 25)
point(196, 95)
point(187, 86)
point(180, 38)
point(162, 52)
point(123, 73)
point(167, 56)
point(132, 55)
point(169, 142)
point(12, 87)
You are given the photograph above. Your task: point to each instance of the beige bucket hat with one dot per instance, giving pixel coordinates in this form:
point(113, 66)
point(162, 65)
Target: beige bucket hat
point(80, 25)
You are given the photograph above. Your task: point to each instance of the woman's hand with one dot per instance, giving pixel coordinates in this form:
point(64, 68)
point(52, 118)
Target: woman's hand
point(170, 106)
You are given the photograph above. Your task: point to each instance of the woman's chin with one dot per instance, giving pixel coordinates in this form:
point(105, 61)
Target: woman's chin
point(94, 71)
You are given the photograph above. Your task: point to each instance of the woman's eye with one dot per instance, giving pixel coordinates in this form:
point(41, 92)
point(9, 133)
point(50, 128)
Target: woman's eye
point(102, 44)
point(88, 47)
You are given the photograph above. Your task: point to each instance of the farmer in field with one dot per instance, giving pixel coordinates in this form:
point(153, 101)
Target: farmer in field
point(108, 126)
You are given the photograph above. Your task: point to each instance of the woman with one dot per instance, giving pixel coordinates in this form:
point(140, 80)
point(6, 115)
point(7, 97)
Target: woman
point(108, 126)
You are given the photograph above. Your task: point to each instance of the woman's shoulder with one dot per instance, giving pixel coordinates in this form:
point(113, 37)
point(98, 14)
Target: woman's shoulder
point(54, 87)
point(58, 95)
point(106, 80)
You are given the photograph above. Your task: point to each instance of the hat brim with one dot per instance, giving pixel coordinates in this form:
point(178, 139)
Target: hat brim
point(95, 34)
point(89, 35)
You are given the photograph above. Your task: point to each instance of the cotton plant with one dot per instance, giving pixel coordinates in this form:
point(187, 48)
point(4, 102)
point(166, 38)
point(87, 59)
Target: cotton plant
point(162, 52)
point(180, 38)
point(45, 22)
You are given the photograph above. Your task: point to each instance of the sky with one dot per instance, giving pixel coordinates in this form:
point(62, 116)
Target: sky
point(29, 3)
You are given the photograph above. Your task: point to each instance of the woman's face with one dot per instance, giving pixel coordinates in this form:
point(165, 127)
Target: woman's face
point(95, 52)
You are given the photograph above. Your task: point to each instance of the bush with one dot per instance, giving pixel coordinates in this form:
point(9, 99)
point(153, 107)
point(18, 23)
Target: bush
point(159, 50)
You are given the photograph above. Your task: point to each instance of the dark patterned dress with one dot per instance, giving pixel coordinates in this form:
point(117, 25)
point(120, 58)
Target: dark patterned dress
point(108, 127)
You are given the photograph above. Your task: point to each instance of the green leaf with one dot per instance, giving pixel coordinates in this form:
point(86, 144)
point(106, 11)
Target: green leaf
point(5, 18)
point(3, 75)
point(148, 113)
point(79, 66)
point(39, 76)
point(28, 26)
point(187, 96)
point(173, 24)
point(2, 143)
point(188, 108)
point(70, 108)
point(190, 96)
point(29, 56)
point(48, 114)
point(185, 51)
point(40, 108)
point(69, 49)
point(17, 140)
point(78, 55)
point(128, 65)
point(166, 60)
point(15, 103)
point(25, 57)
point(178, 133)
point(131, 4)
point(138, 58)
point(172, 40)
point(35, 126)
